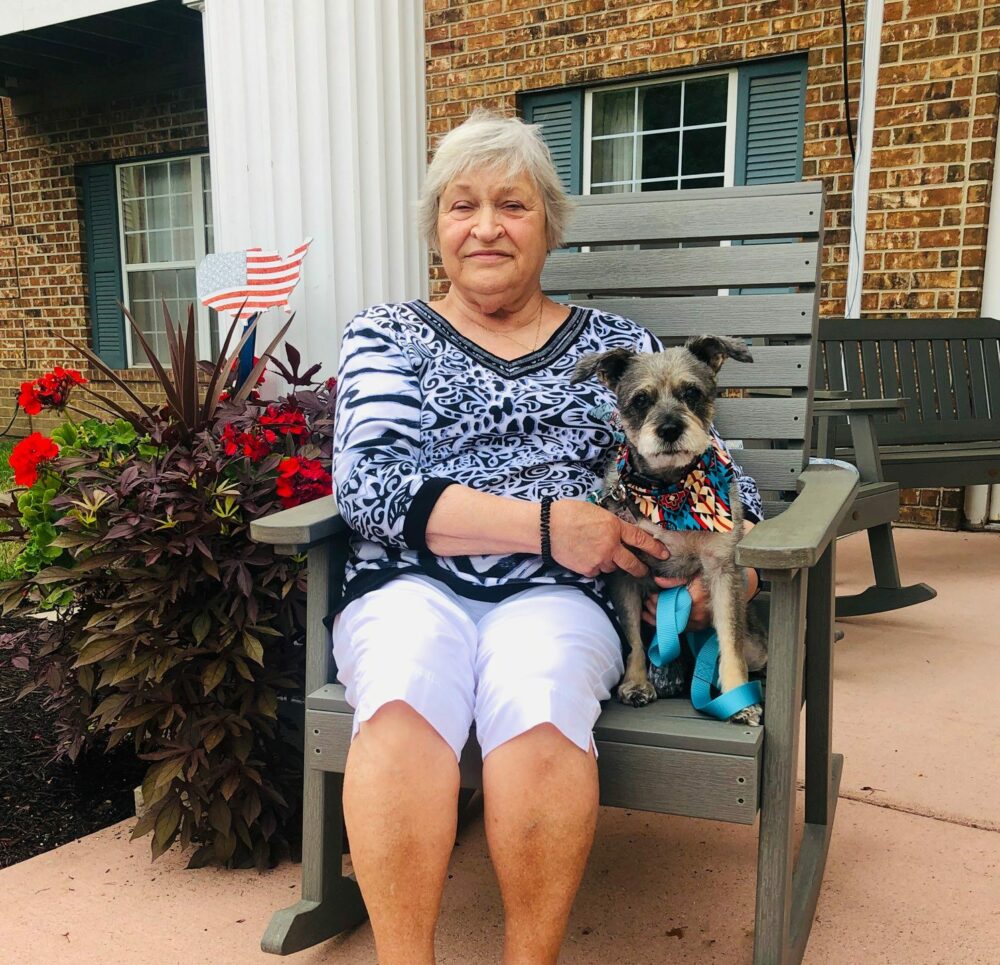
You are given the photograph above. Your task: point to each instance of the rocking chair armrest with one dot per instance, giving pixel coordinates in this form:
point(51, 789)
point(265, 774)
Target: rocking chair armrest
point(827, 407)
point(295, 530)
point(798, 537)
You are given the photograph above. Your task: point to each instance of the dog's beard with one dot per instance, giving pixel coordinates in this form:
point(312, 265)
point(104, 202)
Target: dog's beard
point(659, 456)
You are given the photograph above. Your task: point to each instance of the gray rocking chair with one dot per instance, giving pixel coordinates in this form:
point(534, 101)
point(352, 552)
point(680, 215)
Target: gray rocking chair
point(689, 765)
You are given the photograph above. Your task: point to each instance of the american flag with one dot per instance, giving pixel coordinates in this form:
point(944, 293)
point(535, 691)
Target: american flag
point(244, 283)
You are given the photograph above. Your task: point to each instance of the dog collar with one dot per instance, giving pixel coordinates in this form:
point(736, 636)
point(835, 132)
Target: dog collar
point(699, 500)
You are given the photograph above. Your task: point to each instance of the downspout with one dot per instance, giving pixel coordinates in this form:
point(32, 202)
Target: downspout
point(982, 503)
point(870, 62)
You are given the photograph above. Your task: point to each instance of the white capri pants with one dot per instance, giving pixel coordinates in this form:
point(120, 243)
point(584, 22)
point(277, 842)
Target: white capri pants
point(549, 654)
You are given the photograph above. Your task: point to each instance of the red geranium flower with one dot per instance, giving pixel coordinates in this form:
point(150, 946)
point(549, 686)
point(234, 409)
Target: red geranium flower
point(302, 480)
point(48, 391)
point(255, 445)
point(28, 455)
point(286, 419)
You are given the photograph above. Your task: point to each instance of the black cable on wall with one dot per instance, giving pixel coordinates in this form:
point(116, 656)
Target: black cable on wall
point(847, 100)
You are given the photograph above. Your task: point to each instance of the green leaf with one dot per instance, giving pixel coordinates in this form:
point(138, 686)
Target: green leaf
point(229, 784)
point(144, 825)
point(200, 627)
point(253, 648)
point(213, 674)
point(138, 715)
point(214, 737)
point(219, 815)
point(168, 770)
point(167, 820)
point(99, 649)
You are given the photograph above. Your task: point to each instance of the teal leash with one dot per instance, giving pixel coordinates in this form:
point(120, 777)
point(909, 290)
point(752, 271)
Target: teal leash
point(673, 609)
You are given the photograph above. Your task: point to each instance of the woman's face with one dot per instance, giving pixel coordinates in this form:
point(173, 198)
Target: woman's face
point(491, 234)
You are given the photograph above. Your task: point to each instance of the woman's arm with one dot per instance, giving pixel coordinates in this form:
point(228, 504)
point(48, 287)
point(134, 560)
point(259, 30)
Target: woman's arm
point(381, 491)
point(585, 538)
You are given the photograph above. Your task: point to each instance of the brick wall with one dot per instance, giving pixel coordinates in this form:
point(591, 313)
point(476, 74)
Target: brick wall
point(936, 119)
point(42, 259)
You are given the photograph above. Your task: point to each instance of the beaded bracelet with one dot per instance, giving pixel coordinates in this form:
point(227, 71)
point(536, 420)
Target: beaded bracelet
point(545, 526)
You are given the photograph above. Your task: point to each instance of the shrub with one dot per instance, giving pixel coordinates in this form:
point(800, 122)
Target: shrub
point(172, 627)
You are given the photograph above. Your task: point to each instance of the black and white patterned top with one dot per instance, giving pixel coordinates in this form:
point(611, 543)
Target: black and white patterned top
point(420, 407)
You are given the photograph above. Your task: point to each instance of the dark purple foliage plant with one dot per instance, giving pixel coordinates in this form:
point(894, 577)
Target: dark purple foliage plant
point(168, 626)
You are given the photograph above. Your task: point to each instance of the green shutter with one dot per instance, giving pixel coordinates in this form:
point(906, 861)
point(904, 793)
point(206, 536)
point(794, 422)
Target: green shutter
point(104, 267)
point(560, 114)
point(770, 121)
point(770, 130)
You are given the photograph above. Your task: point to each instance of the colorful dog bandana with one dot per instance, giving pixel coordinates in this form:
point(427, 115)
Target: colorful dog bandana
point(697, 501)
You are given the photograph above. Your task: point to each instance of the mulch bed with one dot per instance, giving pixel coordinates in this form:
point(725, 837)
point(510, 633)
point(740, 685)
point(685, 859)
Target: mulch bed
point(44, 805)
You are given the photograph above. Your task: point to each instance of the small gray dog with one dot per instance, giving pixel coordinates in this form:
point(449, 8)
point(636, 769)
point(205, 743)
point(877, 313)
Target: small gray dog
point(666, 404)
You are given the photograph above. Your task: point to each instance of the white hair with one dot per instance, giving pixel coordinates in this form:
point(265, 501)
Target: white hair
point(506, 144)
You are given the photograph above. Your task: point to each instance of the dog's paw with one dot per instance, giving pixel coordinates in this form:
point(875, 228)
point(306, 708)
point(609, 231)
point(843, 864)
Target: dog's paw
point(636, 693)
point(752, 715)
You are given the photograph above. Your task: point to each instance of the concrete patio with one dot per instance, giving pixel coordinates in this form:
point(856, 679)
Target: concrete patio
point(913, 875)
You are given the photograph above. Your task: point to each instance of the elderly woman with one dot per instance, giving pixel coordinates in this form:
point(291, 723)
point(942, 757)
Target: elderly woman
point(462, 459)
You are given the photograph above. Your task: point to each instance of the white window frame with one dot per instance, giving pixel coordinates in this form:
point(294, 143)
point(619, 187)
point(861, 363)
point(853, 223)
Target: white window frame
point(198, 214)
point(731, 73)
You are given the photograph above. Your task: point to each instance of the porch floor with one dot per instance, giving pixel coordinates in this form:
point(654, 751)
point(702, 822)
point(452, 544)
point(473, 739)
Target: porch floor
point(913, 874)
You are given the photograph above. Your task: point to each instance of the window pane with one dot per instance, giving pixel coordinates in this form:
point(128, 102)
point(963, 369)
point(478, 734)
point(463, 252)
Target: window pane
point(180, 211)
point(659, 155)
point(160, 248)
point(206, 174)
point(136, 251)
point(140, 285)
point(705, 100)
point(611, 160)
point(164, 284)
point(716, 182)
point(660, 106)
point(134, 215)
point(158, 212)
point(132, 181)
point(180, 176)
point(704, 151)
point(614, 111)
point(157, 179)
point(611, 189)
point(668, 185)
point(184, 245)
point(186, 289)
point(145, 315)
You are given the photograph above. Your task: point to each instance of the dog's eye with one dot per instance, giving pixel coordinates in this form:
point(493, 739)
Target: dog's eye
point(691, 396)
point(640, 400)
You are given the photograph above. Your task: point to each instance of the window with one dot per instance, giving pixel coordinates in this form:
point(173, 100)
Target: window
point(660, 136)
point(147, 224)
point(740, 125)
point(166, 229)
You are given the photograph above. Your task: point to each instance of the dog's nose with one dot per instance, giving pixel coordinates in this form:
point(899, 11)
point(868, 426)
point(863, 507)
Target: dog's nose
point(669, 430)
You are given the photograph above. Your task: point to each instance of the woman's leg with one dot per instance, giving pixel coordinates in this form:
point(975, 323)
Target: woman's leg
point(540, 805)
point(400, 805)
point(405, 654)
point(546, 659)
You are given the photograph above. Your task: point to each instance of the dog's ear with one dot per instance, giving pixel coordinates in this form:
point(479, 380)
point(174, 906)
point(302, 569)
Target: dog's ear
point(713, 350)
point(609, 367)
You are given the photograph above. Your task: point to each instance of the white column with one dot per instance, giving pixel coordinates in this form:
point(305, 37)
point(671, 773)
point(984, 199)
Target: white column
point(316, 128)
point(870, 60)
point(982, 503)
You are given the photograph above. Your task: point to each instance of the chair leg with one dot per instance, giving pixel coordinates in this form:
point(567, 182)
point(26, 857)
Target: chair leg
point(781, 738)
point(887, 593)
point(331, 902)
point(788, 885)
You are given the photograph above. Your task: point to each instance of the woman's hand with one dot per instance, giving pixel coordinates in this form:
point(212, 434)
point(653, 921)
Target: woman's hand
point(701, 607)
point(589, 540)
